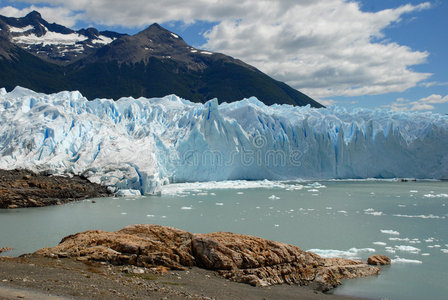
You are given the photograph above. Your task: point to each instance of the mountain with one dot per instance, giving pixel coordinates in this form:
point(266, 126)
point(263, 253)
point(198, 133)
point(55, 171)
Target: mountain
point(152, 63)
point(52, 42)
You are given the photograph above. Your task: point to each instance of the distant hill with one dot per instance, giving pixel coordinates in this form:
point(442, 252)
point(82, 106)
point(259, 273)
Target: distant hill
point(152, 63)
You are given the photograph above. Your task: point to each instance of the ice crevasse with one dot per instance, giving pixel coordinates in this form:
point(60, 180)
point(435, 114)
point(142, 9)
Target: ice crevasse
point(139, 144)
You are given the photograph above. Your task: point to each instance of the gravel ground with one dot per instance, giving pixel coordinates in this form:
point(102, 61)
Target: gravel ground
point(48, 278)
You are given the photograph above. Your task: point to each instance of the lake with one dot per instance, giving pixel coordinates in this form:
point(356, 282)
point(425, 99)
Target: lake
point(405, 220)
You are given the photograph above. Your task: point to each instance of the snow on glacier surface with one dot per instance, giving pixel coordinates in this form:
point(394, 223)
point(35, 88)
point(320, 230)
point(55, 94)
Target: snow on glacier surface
point(139, 144)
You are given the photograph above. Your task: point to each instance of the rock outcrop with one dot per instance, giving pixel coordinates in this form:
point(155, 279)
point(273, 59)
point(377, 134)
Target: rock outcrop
point(378, 260)
point(240, 258)
point(22, 188)
point(5, 249)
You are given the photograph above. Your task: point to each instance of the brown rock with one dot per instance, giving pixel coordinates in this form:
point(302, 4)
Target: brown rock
point(4, 249)
point(140, 245)
point(378, 260)
point(240, 258)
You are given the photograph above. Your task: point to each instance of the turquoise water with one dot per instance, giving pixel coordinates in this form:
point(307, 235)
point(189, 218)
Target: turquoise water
point(405, 220)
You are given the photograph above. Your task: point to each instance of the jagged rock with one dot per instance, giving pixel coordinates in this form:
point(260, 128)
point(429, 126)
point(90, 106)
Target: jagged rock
point(4, 249)
point(378, 260)
point(22, 188)
point(139, 245)
point(240, 258)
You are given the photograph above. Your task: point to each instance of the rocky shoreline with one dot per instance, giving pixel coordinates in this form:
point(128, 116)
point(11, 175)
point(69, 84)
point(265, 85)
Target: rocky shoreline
point(24, 188)
point(239, 258)
point(141, 261)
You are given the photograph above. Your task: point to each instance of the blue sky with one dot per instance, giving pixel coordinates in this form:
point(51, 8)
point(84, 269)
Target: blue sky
point(369, 53)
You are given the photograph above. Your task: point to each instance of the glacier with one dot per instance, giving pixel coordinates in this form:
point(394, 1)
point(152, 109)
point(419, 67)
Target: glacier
point(135, 146)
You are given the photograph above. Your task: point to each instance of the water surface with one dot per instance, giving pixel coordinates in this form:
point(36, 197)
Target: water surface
point(405, 220)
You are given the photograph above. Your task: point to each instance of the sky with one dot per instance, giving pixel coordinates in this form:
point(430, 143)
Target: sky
point(389, 54)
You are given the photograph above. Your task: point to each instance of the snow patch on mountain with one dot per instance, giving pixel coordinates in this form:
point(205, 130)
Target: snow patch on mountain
point(141, 144)
point(102, 40)
point(50, 38)
point(20, 29)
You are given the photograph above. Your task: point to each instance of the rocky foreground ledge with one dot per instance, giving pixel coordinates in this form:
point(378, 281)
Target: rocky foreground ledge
point(236, 257)
point(23, 188)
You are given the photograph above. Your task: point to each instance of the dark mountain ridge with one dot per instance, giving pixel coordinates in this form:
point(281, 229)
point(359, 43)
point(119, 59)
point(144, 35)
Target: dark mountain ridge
point(152, 63)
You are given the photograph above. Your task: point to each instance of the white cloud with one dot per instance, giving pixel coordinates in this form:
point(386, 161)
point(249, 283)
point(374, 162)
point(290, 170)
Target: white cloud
point(402, 104)
point(60, 15)
point(324, 48)
point(435, 99)
point(327, 102)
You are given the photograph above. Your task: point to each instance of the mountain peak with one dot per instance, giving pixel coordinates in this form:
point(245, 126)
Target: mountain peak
point(33, 15)
point(157, 32)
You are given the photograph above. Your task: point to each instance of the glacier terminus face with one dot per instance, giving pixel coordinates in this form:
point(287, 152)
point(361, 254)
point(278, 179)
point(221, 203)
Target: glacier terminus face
point(136, 145)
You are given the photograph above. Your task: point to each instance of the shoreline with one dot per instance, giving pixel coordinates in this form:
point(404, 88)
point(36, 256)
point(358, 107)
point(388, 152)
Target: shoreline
point(25, 188)
point(141, 261)
point(65, 278)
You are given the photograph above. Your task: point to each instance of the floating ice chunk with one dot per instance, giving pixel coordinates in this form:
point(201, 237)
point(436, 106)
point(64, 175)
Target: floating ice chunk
point(401, 205)
point(316, 185)
point(219, 203)
point(313, 190)
point(273, 197)
point(276, 225)
point(436, 196)
point(414, 242)
point(186, 208)
point(342, 212)
point(405, 248)
point(371, 211)
point(389, 231)
point(379, 243)
point(352, 253)
point(444, 250)
point(390, 249)
point(150, 216)
point(240, 193)
point(399, 239)
point(413, 191)
point(406, 261)
point(431, 216)
point(127, 193)
point(328, 207)
point(124, 213)
point(425, 254)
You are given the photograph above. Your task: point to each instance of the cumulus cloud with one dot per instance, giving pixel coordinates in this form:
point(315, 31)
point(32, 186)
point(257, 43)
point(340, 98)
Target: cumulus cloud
point(324, 48)
point(426, 103)
point(435, 99)
point(59, 15)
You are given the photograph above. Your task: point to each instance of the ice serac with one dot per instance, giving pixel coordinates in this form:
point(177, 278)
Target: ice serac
point(136, 145)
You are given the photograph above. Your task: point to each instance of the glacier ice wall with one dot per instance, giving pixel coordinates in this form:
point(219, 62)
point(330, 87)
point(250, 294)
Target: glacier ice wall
point(139, 144)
